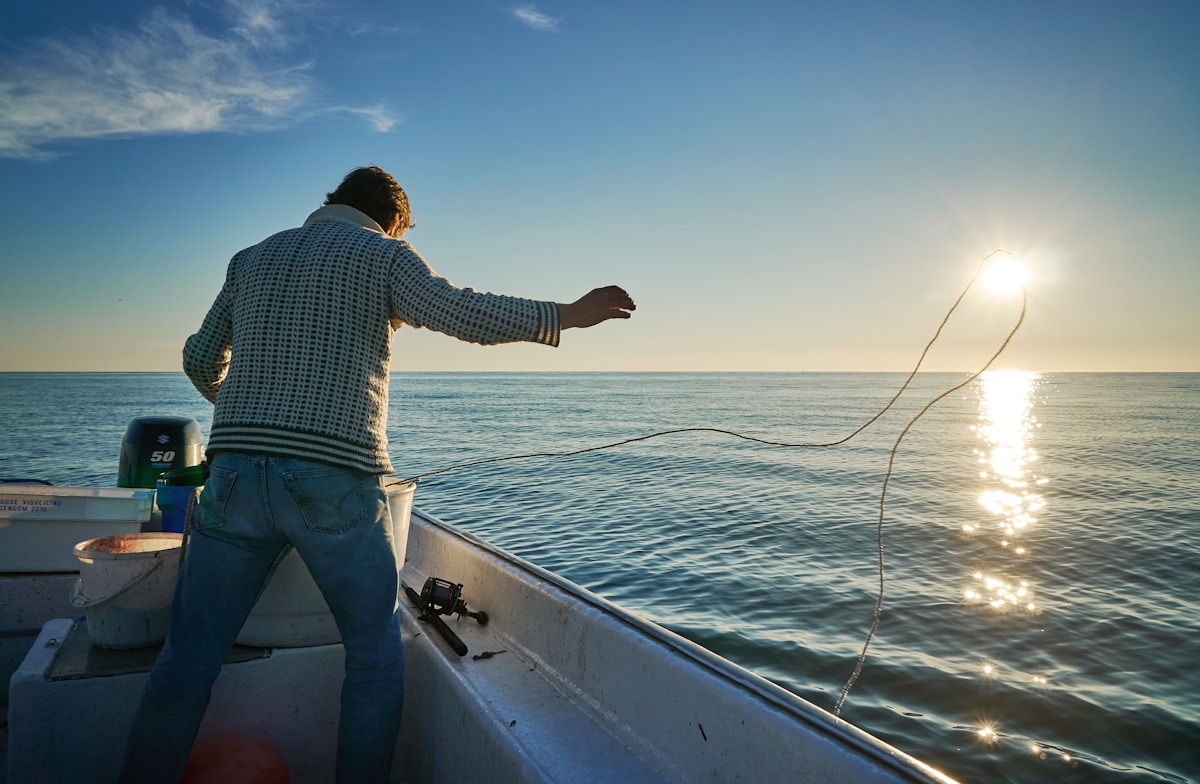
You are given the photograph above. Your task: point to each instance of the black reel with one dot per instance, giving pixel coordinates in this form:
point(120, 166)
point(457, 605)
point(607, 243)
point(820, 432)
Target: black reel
point(442, 597)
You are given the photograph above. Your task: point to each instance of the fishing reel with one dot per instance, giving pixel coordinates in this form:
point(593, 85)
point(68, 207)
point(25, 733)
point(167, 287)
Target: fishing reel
point(442, 597)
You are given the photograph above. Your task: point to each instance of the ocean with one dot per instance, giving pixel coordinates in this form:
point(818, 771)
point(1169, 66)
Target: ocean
point(1040, 534)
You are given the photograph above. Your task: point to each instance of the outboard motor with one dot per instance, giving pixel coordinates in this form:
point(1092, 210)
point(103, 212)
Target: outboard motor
point(156, 444)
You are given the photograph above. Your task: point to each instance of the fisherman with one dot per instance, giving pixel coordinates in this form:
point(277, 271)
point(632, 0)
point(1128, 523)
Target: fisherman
point(295, 354)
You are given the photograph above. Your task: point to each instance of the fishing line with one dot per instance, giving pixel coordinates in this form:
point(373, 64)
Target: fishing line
point(920, 360)
point(878, 611)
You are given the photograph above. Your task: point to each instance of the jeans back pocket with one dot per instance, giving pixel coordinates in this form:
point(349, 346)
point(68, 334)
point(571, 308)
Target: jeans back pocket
point(331, 500)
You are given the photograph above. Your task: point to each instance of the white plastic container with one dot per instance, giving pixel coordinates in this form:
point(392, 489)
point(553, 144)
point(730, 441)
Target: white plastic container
point(125, 586)
point(291, 612)
point(47, 502)
point(40, 524)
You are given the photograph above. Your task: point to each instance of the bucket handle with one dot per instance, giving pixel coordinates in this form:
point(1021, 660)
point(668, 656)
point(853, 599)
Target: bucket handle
point(82, 602)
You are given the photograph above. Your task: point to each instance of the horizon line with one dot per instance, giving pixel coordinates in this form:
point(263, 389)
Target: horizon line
point(628, 372)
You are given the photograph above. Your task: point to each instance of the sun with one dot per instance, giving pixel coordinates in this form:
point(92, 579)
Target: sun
point(1004, 273)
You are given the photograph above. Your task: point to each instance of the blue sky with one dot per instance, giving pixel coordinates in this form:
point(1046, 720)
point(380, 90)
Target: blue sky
point(780, 185)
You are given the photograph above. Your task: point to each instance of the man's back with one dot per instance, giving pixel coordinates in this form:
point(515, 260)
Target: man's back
point(306, 314)
point(298, 342)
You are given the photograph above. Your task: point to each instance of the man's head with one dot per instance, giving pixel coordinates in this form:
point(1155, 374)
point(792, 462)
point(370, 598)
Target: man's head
point(376, 194)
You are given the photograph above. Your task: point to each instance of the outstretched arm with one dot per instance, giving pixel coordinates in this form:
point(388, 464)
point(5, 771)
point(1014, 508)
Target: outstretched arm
point(597, 305)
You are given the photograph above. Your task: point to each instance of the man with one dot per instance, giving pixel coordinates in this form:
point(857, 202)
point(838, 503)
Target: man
point(295, 353)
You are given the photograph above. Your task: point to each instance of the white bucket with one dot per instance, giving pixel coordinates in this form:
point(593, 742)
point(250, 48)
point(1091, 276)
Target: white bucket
point(126, 583)
point(291, 612)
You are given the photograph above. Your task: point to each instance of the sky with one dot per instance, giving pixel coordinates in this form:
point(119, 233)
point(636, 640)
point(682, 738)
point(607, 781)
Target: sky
point(781, 186)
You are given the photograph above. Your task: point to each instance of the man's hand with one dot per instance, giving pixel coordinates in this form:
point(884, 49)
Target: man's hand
point(610, 302)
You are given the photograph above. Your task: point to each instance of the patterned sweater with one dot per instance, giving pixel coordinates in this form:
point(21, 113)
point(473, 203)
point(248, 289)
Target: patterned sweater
point(296, 348)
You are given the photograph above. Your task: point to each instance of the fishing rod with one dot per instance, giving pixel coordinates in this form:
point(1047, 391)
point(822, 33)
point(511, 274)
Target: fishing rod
point(440, 597)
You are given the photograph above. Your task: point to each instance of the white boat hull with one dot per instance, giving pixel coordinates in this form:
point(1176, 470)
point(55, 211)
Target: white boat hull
point(577, 690)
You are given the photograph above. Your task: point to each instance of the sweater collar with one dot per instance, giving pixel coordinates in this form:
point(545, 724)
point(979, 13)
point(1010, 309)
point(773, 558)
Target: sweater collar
point(342, 213)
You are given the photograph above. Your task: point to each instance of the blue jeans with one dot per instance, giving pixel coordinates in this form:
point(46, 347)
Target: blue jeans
point(253, 510)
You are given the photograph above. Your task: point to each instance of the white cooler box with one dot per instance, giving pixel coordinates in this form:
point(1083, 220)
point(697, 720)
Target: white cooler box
point(41, 524)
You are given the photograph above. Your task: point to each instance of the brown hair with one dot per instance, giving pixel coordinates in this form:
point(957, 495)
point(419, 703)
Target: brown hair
point(375, 193)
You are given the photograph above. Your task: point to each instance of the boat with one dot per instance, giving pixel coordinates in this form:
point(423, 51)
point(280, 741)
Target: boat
point(512, 674)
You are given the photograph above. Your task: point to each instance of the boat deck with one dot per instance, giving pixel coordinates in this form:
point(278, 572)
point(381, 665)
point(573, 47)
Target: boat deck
point(496, 707)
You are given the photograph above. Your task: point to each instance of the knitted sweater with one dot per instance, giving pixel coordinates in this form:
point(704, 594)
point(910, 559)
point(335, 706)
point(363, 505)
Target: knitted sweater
point(296, 348)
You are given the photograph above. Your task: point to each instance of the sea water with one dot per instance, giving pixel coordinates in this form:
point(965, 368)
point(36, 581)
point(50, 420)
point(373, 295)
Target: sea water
point(1038, 543)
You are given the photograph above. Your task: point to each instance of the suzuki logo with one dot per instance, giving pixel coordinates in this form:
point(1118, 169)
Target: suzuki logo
point(164, 438)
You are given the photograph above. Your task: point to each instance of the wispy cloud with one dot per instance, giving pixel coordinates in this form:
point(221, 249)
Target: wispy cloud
point(534, 18)
point(371, 28)
point(379, 117)
point(165, 76)
point(260, 22)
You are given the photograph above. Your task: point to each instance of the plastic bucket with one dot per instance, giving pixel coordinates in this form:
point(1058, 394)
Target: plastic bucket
point(126, 583)
point(173, 501)
point(291, 612)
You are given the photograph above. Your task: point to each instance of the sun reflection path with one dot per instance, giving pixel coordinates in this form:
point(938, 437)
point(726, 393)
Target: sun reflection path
point(1011, 494)
point(1011, 501)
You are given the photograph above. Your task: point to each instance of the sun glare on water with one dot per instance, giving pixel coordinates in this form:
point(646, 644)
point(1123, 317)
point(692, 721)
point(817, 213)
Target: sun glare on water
point(1005, 274)
point(1011, 491)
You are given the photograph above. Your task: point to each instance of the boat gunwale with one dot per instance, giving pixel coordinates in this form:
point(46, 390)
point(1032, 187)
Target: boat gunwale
point(812, 715)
